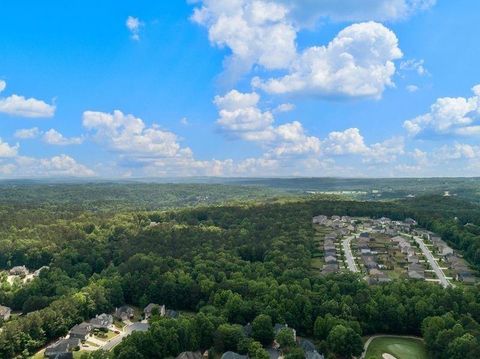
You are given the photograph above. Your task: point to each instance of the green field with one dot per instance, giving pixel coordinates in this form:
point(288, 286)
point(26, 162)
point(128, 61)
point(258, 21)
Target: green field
point(400, 348)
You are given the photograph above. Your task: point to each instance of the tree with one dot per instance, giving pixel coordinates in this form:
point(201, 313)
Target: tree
point(285, 338)
point(344, 341)
point(227, 337)
point(262, 329)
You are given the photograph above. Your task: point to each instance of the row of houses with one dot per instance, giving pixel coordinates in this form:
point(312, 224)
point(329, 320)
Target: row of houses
point(459, 267)
point(415, 270)
point(274, 351)
point(375, 275)
point(330, 254)
point(79, 333)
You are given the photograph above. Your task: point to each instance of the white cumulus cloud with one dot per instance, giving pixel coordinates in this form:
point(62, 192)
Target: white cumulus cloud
point(27, 133)
point(134, 25)
point(449, 115)
point(53, 137)
point(358, 62)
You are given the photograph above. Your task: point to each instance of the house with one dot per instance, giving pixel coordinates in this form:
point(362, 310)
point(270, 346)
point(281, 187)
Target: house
point(19, 270)
point(413, 258)
point(274, 353)
point(190, 355)
point(80, 331)
point(169, 313)
point(415, 271)
point(309, 349)
point(279, 327)
point(330, 260)
point(365, 251)
point(102, 321)
point(232, 355)
point(319, 219)
point(62, 348)
point(248, 330)
point(410, 221)
point(5, 312)
point(466, 277)
point(364, 235)
point(125, 312)
point(329, 269)
point(152, 306)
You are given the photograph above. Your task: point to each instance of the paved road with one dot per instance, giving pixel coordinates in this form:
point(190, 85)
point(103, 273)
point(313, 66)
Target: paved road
point(369, 340)
point(428, 254)
point(129, 329)
point(352, 266)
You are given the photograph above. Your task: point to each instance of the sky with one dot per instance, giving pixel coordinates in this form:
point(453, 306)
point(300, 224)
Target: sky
point(377, 88)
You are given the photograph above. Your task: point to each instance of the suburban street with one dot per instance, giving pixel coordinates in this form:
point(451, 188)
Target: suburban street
point(428, 254)
point(129, 329)
point(352, 266)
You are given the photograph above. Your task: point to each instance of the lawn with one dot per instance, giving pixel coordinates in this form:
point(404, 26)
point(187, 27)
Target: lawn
point(400, 348)
point(39, 355)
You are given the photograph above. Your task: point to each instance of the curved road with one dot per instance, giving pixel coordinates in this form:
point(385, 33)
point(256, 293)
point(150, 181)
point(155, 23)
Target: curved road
point(129, 329)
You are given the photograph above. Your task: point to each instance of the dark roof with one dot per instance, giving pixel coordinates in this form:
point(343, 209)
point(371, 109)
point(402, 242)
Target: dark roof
point(189, 355)
point(81, 329)
point(306, 345)
point(102, 320)
point(247, 330)
point(62, 346)
point(171, 313)
point(232, 355)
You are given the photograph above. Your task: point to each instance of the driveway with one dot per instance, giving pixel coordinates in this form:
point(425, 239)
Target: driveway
point(127, 330)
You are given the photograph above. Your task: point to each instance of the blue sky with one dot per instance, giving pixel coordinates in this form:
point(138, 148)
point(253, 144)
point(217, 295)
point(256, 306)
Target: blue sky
point(239, 88)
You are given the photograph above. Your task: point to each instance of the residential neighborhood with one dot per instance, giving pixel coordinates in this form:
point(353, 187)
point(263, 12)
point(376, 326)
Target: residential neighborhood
point(384, 249)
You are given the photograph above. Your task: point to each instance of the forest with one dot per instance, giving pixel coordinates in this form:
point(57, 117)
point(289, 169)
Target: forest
point(241, 259)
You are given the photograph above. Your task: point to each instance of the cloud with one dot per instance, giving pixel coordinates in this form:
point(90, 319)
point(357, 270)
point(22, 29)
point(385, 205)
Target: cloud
point(15, 105)
point(449, 116)
point(56, 166)
point(412, 88)
point(259, 32)
point(27, 133)
point(307, 12)
point(414, 65)
point(241, 118)
point(386, 151)
point(184, 121)
point(285, 107)
point(256, 32)
point(3, 85)
point(358, 62)
point(53, 137)
point(349, 141)
point(129, 135)
point(8, 151)
point(134, 25)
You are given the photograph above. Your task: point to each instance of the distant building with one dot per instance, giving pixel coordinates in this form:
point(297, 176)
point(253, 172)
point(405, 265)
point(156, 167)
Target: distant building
point(62, 349)
point(5, 312)
point(125, 312)
point(190, 355)
point(19, 270)
point(232, 355)
point(149, 308)
point(103, 321)
point(80, 331)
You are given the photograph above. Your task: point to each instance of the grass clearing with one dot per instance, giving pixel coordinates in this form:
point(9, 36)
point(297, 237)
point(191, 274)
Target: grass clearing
point(399, 347)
